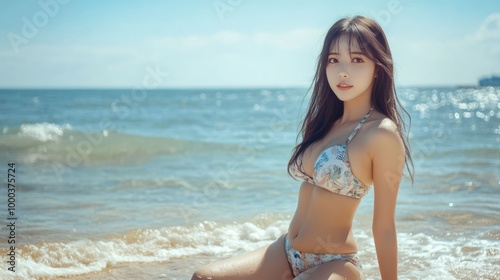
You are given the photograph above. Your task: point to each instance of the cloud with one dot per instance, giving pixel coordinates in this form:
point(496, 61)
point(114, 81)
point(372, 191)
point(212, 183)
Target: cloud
point(489, 29)
point(465, 59)
point(219, 58)
point(291, 40)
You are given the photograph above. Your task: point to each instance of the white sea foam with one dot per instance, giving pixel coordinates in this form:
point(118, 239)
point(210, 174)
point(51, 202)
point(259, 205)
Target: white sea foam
point(43, 131)
point(421, 256)
point(147, 245)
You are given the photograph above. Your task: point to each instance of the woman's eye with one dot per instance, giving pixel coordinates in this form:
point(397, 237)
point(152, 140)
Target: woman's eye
point(357, 60)
point(332, 60)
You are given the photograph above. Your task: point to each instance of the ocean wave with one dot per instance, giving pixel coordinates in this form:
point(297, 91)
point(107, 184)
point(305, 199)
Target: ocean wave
point(422, 255)
point(43, 132)
point(62, 144)
point(49, 259)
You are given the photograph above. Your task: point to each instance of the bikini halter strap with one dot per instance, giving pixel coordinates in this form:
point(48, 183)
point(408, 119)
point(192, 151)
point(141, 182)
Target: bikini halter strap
point(353, 133)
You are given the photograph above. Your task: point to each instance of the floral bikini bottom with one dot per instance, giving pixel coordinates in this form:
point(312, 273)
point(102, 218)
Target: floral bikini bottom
point(300, 262)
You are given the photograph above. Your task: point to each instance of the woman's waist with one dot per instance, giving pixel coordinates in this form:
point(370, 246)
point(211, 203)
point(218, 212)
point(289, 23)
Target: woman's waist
point(309, 239)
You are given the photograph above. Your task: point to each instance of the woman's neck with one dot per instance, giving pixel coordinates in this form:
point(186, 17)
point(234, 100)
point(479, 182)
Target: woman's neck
point(354, 110)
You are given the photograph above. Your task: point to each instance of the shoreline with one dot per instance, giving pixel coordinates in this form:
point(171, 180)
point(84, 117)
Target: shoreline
point(176, 269)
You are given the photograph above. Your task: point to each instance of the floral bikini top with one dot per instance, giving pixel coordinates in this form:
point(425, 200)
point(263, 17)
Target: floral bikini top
point(332, 170)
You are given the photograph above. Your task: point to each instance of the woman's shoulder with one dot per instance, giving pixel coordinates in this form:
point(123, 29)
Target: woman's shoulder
point(383, 132)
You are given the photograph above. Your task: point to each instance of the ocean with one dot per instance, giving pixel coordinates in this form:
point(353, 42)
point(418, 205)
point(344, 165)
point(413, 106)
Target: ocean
point(121, 184)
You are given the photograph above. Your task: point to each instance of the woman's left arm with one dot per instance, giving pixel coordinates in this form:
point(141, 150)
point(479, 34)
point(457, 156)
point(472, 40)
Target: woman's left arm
point(388, 159)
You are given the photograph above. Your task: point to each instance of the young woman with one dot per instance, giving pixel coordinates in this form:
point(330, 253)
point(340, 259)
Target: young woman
point(352, 139)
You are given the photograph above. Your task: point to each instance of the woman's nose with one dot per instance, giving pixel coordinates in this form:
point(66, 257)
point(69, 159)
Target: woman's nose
point(343, 75)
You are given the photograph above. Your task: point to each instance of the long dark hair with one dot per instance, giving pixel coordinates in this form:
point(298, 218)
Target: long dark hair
point(324, 106)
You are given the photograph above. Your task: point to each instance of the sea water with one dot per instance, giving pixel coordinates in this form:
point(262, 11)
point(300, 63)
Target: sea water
point(118, 178)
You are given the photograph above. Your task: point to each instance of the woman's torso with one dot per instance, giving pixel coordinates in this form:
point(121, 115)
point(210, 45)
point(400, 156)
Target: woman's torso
point(323, 220)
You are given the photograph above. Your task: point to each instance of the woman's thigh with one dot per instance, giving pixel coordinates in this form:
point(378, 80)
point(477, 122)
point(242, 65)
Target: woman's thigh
point(334, 270)
point(268, 262)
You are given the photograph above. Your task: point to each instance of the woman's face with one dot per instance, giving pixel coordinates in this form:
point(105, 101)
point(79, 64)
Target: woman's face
point(350, 74)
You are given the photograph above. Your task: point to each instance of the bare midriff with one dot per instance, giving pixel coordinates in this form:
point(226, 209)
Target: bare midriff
point(322, 223)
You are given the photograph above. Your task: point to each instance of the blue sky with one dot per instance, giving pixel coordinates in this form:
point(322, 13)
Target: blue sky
point(233, 43)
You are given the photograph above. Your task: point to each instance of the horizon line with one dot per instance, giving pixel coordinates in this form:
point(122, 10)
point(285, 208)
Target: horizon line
point(217, 87)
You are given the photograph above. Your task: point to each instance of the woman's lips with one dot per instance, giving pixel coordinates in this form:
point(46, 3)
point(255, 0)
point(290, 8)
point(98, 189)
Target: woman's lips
point(344, 86)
